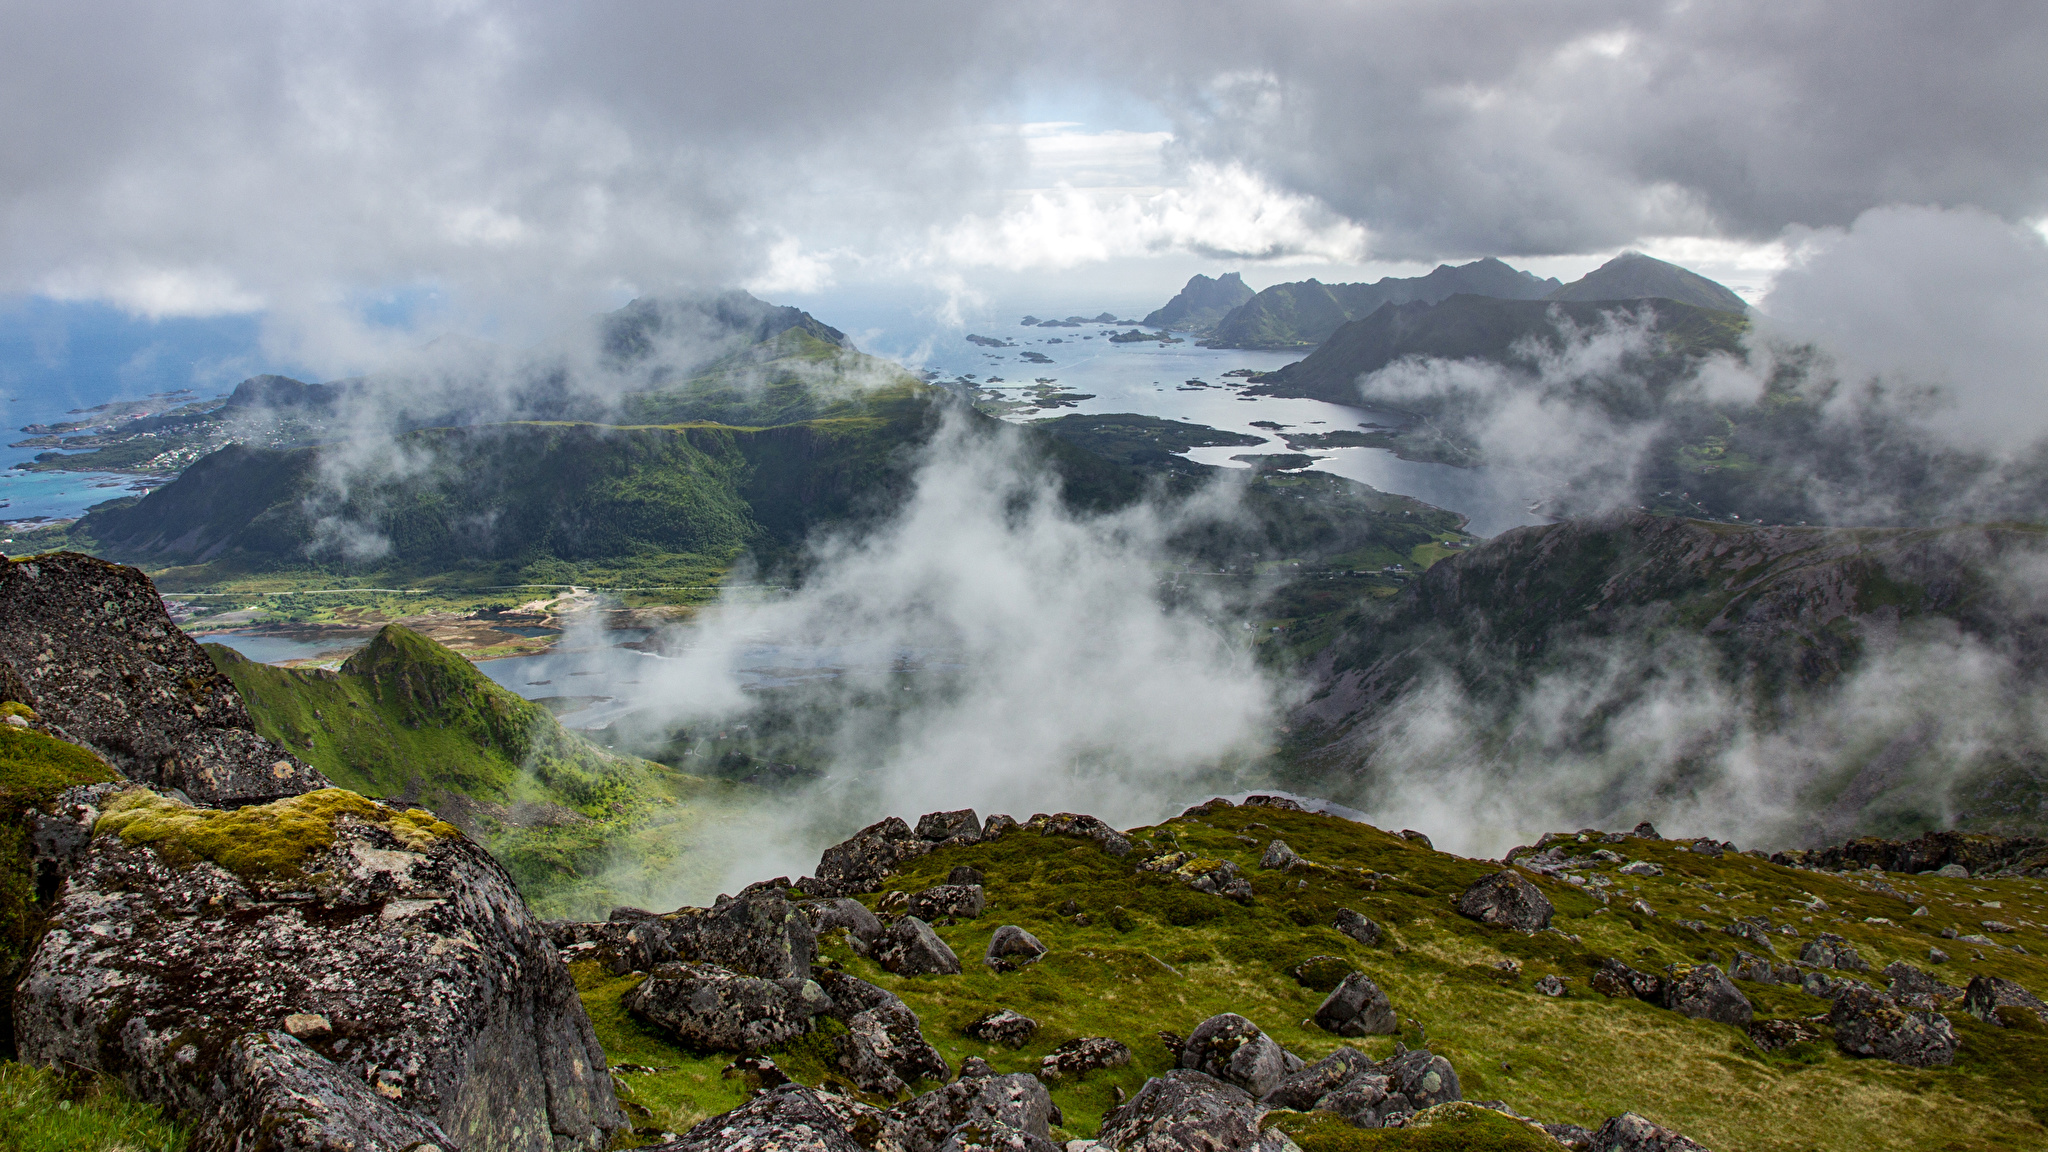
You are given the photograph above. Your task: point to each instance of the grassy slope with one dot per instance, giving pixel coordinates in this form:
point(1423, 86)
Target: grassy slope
point(1581, 1058)
point(44, 1110)
point(407, 717)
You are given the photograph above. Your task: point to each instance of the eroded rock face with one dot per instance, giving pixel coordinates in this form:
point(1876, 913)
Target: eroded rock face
point(91, 645)
point(716, 1009)
point(1869, 1023)
point(1186, 1109)
point(909, 947)
point(1505, 900)
point(1357, 1007)
point(300, 1101)
point(441, 991)
point(1233, 1049)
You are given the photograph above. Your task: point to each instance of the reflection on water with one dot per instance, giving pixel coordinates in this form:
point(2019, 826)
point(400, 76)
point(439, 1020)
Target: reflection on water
point(1150, 379)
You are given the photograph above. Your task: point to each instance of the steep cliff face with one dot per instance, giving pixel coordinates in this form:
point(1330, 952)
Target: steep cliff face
point(1552, 640)
point(88, 645)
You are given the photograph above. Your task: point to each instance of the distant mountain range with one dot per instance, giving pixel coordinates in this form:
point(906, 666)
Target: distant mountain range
point(1307, 312)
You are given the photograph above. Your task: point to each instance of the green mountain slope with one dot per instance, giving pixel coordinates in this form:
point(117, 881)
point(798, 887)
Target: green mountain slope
point(1303, 314)
point(1136, 954)
point(1485, 328)
point(1765, 628)
point(407, 718)
point(1634, 276)
point(1200, 304)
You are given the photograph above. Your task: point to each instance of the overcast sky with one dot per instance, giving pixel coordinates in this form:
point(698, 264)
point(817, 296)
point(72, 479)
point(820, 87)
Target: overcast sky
point(494, 166)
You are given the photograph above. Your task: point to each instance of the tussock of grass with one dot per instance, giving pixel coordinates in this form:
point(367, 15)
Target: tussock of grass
point(262, 841)
point(42, 1110)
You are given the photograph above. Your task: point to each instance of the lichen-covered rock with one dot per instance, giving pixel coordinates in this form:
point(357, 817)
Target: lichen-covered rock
point(183, 929)
point(958, 901)
point(1761, 970)
point(1184, 1110)
point(1011, 948)
point(718, 1010)
point(997, 824)
point(1771, 1035)
point(1619, 980)
point(1357, 1007)
point(1279, 855)
point(1705, 993)
point(1301, 1089)
point(91, 646)
point(1916, 987)
point(1233, 1049)
point(1869, 1023)
point(1827, 987)
point(1987, 994)
point(1550, 984)
point(1082, 1055)
point(759, 933)
point(1831, 951)
point(884, 1048)
point(862, 927)
point(1010, 1029)
point(965, 874)
point(791, 1118)
point(1366, 1100)
point(1505, 900)
point(980, 1108)
point(1357, 926)
point(1087, 827)
point(939, 827)
point(863, 860)
point(909, 947)
point(1280, 802)
point(1424, 1077)
point(300, 1101)
point(1629, 1132)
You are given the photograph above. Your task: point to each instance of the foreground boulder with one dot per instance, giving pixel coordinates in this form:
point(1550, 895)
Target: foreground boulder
point(1357, 1007)
point(1010, 1029)
point(1013, 1111)
point(1992, 999)
point(1303, 1088)
point(1505, 900)
point(1916, 987)
point(89, 646)
point(862, 927)
point(399, 948)
point(909, 947)
point(715, 1009)
point(1234, 1050)
point(862, 861)
point(884, 1049)
point(1011, 948)
point(1082, 1055)
point(758, 932)
point(952, 901)
point(1869, 1023)
point(1358, 926)
point(1186, 1109)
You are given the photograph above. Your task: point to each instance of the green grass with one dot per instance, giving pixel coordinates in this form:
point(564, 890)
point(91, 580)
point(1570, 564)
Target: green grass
point(407, 717)
point(34, 768)
point(1180, 956)
point(42, 1110)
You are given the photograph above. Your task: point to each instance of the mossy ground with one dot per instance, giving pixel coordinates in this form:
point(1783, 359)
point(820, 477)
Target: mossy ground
point(43, 1110)
point(1155, 955)
point(259, 841)
point(34, 768)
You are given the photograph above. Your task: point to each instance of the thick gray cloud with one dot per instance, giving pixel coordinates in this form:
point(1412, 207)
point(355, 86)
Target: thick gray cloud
point(522, 156)
point(1477, 126)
